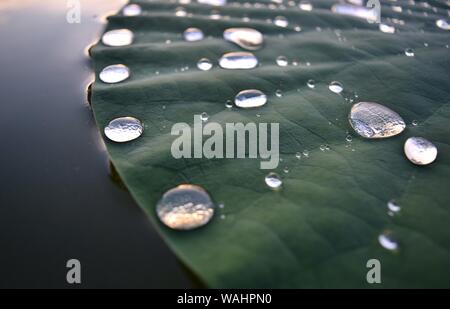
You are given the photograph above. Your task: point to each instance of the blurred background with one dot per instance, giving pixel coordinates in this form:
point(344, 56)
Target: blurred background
point(57, 198)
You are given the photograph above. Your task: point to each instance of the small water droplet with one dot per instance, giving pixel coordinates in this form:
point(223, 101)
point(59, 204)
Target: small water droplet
point(324, 147)
point(443, 24)
point(273, 180)
point(373, 120)
point(420, 151)
point(180, 11)
point(393, 207)
point(415, 123)
point(204, 64)
point(349, 138)
point(311, 83)
point(281, 21)
point(215, 15)
point(114, 73)
point(388, 241)
point(278, 93)
point(213, 2)
point(238, 60)
point(246, 38)
point(223, 216)
point(221, 205)
point(123, 129)
point(409, 52)
point(336, 87)
point(425, 44)
point(250, 98)
point(297, 28)
point(193, 34)
point(305, 6)
point(228, 104)
point(282, 61)
point(298, 155)
point(118, 37)
point(356, 11)
point(286, 169)
point(305, 153)
point(132, 10)
point(204, 116)
point(185, 207)
point(386, 28)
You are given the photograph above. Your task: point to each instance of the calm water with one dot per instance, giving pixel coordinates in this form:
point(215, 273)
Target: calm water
point(57, 201)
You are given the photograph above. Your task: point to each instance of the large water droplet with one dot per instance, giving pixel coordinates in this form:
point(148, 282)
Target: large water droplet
point(386, 28)
point(336, 87)
point(185, 207)
point(132, 10)
point(246, 38)
point(281, 21)
point(273, 180)
point(409, 52)
point(114, 73)
point(124, 129)
point(443, 24)
point(250, 98)
point(356, 11)
point(193, 34)
point(282, 61)
point(204, 64)
point(420, 151)
point(213, 2)
point(118, 37)
point(388, 241)
point(373, 120)
point(238, 60)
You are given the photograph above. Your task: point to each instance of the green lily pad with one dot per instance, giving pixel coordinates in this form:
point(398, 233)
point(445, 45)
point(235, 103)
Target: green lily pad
point(322, 227)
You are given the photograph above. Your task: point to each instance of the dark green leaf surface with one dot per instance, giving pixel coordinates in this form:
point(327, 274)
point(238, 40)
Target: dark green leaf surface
point(322, 227)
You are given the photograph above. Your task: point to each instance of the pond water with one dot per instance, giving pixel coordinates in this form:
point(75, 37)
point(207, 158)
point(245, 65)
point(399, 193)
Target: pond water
point(57, 200)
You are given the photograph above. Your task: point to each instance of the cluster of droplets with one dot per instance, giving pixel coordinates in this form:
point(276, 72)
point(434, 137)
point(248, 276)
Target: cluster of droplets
point(186, 206)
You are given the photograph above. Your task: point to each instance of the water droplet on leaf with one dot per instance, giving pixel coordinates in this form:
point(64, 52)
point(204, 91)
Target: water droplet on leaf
point(118, 37)
point(373, 120)
point(273, 180)
point(250, 98)
point(388, 241)
point(132, 10)
point(246, 38)
point(185, 207)
point(204, 64)
point(282, 61)
point(336, 87)
point(193, 34)
point(420, 151)
point(238, 60)
point(124, 129)
point(114, 73)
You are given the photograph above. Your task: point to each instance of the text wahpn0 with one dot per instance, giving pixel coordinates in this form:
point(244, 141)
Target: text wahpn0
point(239, 139)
